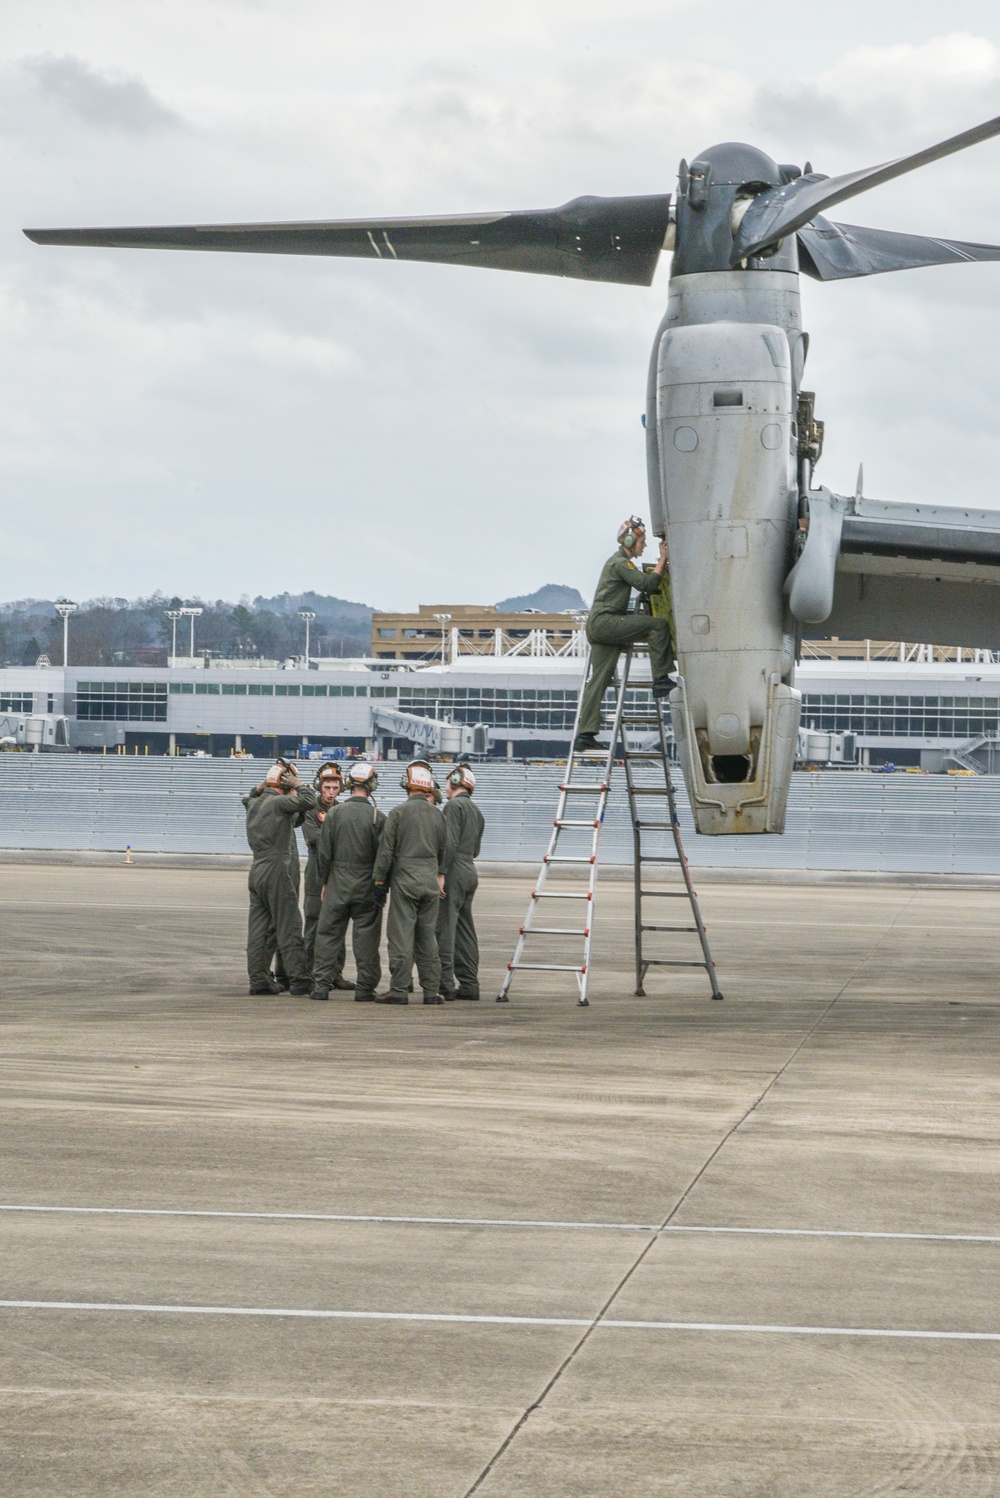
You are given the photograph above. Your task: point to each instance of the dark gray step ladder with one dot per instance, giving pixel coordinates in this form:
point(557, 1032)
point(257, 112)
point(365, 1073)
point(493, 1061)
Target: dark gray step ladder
point(588, 776)
point(663, 818)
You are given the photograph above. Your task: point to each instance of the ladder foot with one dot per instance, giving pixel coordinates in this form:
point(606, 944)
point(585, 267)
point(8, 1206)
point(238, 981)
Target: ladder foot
point(583, 1003)
point(640, 993)
point(718, 996)
point(503, 999)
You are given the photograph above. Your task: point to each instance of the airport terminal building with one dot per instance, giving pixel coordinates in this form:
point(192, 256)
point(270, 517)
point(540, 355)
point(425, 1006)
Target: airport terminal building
point(913, 712)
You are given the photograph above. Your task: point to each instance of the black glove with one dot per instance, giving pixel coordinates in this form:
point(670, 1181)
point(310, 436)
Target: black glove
point(379, 894)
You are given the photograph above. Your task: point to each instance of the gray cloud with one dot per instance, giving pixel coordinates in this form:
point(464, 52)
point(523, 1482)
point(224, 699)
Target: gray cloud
point(105, 100)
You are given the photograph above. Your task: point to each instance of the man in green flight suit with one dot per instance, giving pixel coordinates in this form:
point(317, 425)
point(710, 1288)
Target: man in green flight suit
point(275, 965)
point(329, 782)
point(345, 859)
point(610, 628)
point(274, 899)
point(458, 946)
point(411, 857)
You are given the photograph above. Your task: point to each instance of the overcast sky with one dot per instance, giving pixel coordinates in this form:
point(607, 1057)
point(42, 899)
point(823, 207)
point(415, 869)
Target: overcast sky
point(395, 434)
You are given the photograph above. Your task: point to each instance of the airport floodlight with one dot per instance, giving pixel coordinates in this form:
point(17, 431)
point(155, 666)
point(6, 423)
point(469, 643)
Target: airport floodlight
point(444, 620)
point(173, 615)
point(191, 614)
point(308, 615)
point(64, 608)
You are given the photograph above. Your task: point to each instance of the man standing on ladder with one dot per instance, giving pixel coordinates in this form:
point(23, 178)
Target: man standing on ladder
point(610, 628)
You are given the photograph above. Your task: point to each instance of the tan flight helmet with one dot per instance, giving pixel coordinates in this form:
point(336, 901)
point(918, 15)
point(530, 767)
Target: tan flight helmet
point(461, 778)
point(282, 776)
point(361, 776)
point(328, 770)
point(629, 531)
point(418, 776)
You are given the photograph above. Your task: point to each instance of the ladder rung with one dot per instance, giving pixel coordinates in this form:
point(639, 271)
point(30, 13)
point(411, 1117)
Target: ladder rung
point(580, 790)
point(633, 722)
point(649, 790)
point(568, 858)
point(646, 754)
point(652, 826)
point(566, 822)
point(556, 931)
point(666, 894)
point(559, 894)
point(671, 962)
point(664, 928)
point(552, 967)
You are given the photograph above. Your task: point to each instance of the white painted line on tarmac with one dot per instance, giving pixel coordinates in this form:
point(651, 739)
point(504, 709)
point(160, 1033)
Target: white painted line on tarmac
point(838, 1233)
point(452, 1318)
point(145, 909)
point(454, 1222)
point(513, 1222)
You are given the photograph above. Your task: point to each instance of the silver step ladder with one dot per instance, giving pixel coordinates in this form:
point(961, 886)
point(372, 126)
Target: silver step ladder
point(658, 814)
point(588, 777)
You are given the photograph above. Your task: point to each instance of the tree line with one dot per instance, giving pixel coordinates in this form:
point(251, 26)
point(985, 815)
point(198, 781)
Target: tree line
point(137, 632)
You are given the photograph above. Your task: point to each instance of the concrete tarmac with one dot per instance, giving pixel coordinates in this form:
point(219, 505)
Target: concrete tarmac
point(657, 1246)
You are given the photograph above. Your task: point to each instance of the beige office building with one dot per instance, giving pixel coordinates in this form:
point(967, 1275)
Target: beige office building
point(443, 631)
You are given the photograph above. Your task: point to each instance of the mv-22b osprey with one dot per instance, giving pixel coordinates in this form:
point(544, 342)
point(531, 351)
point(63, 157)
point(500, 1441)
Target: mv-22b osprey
point(756, 551)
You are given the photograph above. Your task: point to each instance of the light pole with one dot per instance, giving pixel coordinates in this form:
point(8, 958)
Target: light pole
point(308, 615)
point(444, 620)
point(64, 608)
point(192, 614)
point(173, 615)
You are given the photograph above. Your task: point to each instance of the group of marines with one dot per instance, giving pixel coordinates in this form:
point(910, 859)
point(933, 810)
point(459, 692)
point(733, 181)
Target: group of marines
point(421, 858)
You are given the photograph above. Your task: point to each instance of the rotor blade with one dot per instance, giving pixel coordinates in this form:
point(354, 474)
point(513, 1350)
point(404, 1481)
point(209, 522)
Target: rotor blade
point(591, 239)
point(835, 252)
point(781, 210)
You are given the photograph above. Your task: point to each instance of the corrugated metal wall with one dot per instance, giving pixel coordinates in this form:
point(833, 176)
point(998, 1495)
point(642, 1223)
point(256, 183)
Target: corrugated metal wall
point(920, 823)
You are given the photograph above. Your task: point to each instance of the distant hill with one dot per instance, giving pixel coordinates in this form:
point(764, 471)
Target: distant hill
point(553, 598)
point(322, 604)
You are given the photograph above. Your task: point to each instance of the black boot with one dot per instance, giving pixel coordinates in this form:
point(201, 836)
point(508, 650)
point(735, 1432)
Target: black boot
point(268, 986)
point(320, 993)
point(586, 743)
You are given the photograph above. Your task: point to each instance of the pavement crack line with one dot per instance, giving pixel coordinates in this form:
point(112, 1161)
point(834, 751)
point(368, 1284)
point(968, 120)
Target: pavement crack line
point(713, 1155)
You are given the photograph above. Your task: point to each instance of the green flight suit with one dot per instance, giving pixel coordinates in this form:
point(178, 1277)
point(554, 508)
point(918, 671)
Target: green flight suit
point(610, 629)
point(274, 897)
point(458, 946)
point(345, 859)
point(313, 886)
point(410, 857)
point(273, 955)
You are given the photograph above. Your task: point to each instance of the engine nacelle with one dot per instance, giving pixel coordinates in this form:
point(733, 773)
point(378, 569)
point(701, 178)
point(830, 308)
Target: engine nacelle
point(724, 412)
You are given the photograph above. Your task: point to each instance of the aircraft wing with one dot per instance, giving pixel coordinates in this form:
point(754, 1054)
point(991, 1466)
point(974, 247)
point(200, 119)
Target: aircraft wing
point(590, 239)
point(880, 570)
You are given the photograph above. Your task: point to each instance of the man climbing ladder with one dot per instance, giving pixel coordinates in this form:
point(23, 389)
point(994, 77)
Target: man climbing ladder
point(610, 628)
